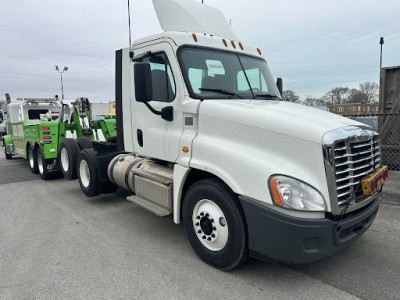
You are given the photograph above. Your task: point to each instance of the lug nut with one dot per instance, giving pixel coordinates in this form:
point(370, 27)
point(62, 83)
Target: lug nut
point(201, 214)
point(203, 237)
point(197, 224)
point(199, 231)
point(208, 239)
point(214, 228)
point(213, 235)
point(207, 215)
point(198, 217)
point(212, 220)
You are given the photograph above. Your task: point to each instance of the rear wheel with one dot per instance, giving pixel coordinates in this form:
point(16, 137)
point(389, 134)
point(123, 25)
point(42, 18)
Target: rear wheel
point(88, 174)
point(32, 159)
point(69, 152)
point(43, 165)
point(84, 143)
point(215, 224)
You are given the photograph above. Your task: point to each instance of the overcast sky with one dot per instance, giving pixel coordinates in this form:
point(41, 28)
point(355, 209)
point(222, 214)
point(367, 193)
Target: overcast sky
point(313, 45)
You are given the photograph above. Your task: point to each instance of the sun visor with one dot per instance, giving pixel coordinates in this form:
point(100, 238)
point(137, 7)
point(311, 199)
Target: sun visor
point(191, 16)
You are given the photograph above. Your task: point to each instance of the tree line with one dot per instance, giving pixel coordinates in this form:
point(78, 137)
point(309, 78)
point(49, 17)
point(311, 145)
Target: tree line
point(368, 92)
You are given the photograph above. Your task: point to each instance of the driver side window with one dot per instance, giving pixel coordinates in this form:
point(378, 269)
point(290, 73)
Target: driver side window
point(162, 78)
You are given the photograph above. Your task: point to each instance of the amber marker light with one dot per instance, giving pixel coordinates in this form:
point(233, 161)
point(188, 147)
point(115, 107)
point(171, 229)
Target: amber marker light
point(275, 192)
point(241, 45)
point(259, 51)
point(225, 42)
point(185, 149)
point(233, 44)
point(194, 37)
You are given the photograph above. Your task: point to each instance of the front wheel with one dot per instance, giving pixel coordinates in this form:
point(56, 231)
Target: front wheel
point(215, 224)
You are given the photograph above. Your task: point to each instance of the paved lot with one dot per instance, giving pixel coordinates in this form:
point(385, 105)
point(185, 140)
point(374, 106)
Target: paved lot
point(55, 244)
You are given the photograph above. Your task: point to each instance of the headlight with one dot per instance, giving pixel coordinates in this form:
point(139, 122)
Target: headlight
point(291, 193)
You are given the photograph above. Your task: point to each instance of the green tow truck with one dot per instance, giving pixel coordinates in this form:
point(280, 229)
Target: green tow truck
point(50, 134)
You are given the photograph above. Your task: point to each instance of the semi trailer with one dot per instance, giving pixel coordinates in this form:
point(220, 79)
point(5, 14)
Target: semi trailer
point(204, 137)
point(42, 128)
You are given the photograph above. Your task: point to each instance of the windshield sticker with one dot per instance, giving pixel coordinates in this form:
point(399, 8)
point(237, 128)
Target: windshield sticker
point(215, 67)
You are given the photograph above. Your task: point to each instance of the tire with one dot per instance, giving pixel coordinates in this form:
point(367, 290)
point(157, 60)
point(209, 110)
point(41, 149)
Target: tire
point(84, 143)
point(109, 187)
point(88, 174)
point(45, 174)
point(68, 158)
point(32, 159)
point(215, 224)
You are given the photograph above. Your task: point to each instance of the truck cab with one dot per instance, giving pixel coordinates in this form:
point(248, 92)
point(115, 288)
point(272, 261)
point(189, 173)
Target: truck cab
point(205, 137)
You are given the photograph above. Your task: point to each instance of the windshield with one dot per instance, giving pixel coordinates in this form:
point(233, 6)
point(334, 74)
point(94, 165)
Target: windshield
point(213, 74)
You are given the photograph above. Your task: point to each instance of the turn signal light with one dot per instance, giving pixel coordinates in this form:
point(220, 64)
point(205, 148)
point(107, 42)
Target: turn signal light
point(47, 137)
point(225, 42)
point(275, 192)
point(194, 37)
point(241, 45)
point(185, 149)
point(45, 128)
point(259, 51)
point(233, 44)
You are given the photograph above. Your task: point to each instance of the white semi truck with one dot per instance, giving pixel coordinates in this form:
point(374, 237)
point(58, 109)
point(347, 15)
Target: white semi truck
point(204, 136)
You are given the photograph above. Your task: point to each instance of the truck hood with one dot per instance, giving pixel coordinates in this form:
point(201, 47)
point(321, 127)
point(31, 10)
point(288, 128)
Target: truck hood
point(291, 119)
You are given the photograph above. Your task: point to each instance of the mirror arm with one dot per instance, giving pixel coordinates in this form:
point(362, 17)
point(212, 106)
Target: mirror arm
point(156, 112)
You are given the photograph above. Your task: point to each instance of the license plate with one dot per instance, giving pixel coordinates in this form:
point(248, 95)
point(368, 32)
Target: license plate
point(374, 181)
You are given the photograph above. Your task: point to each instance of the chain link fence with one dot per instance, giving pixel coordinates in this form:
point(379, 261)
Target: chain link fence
point(388, 126)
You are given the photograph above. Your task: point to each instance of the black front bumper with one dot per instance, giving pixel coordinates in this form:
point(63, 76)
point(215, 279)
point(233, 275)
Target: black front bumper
point(298, 240)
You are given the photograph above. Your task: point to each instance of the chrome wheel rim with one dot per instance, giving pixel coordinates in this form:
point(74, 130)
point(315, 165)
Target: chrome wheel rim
point(40, 164)
point(210, 225)
point(64, 159)
point(31, 161)
point(84, 173)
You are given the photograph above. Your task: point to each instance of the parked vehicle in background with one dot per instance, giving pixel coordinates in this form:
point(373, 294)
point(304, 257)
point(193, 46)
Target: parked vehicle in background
point(3, 123)
point(50, 133)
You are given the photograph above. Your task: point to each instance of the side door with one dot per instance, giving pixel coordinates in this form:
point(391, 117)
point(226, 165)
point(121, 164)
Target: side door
point(153, 136)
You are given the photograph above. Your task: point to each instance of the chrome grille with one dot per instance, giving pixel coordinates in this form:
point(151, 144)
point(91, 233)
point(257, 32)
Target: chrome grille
point(353, 160)
point(352, 153)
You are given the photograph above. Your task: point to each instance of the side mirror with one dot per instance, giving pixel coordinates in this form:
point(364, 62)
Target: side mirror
point(143, 83)
point(279, 84)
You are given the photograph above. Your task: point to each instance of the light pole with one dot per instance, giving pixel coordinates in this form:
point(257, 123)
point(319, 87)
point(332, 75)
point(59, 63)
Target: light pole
point(61, 72)
point(381, 42)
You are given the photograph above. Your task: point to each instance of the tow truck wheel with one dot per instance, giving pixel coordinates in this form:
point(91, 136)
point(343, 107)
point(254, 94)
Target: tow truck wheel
point(33, 162)
point(42, 164)
point(215, 224)
point(88, 173)
point(84, 143)
point(69, 152)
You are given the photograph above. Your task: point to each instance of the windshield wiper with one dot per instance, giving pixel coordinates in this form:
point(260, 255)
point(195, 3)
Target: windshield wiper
point(268, 96)
point(221, 91)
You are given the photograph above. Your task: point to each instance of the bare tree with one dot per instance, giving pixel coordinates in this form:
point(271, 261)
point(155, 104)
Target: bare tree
point(356, 96)
point(339, 94)
point(290, 96)
point(312, 101)
point(370, 89)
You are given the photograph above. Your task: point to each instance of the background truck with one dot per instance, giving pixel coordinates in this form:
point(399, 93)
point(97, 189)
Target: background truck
point(205, 137)
point(42, 128)
point(3, 123)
